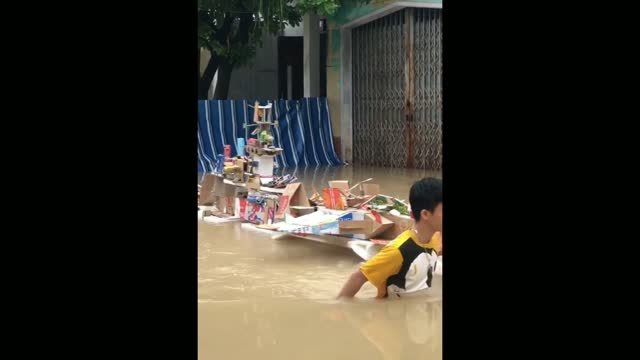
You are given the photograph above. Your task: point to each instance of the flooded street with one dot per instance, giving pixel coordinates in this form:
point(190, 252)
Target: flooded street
point(264, 298)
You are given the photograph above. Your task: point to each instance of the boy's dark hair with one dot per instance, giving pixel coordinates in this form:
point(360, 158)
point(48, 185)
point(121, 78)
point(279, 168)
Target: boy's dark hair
point(425, 194)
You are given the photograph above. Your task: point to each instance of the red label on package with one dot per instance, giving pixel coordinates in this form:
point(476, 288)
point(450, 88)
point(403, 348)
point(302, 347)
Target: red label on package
point(270, 218)
point(243, 207)
point(284, 202)
point(253, 214)
point(376, 216)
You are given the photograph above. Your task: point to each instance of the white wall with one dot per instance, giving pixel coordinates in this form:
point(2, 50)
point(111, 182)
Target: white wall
point(294, 31)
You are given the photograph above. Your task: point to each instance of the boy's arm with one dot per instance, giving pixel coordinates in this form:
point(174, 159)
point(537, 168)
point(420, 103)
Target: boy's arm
point(353, 285)
point(377, 270)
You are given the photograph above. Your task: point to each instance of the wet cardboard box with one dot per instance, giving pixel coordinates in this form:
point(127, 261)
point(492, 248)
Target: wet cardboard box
point(366, 225)
point(354, 224)
point(294, 195)
point(263, 213)
point(214, 187)
point(401, 223)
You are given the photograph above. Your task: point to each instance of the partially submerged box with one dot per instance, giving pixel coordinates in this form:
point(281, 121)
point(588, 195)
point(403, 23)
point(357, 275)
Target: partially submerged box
point(334, 199)
point(401, 223)
point(263, 213)
point(366, 225)
point(356, 202)
point(339, 184)
point(323, 221)
point(213, 186)
point(293, 195)
point(354, 196)
point(355, 224)
point(361, 189)
point(297, 211)
point(369, 189)
point(226, 205)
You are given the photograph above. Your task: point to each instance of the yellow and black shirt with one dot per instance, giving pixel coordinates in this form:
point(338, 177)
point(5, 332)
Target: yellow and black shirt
point(404, 265)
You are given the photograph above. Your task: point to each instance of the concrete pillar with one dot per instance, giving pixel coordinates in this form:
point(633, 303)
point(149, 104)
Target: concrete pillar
point(346, 94)
point(311, 24)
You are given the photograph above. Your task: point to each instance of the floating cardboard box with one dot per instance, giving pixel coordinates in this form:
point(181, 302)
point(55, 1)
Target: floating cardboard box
point(365, 225)
point(360, 189)
point(214, 186)
point(356, 202)
point(354, 224)
point(340, 184)
point(354, 196)
point(206, 190)
point(263, 213)
point(297, 211)
point(226, 205)
point(370, 189)
point(320, 222)
point(401, 223)
point(293, 195)
point(333, 199)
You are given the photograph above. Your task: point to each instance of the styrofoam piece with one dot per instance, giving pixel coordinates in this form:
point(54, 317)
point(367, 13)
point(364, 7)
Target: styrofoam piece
point(212, 219)
point(338, 241)
point(265, 165)
point(365, 249)
point(203, 208)
point(274, 234)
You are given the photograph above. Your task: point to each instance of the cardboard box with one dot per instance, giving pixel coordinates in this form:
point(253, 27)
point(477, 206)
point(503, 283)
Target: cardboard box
point(357, 202)
point(370, 189)
point(206, 196)
point(241, 192)
point(254, 213)
point(354, 224)
point(366, 225)
point(214, 186)
point(226, 204)
point(254, 182)
point(401, 223)
point(320, 222)
point(297, 211)
point(242, 164)
point(340, 184)
point(333, 199)
point(293, 195)
point(360, 189)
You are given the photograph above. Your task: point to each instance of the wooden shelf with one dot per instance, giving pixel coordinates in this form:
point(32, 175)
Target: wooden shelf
point(254, 150)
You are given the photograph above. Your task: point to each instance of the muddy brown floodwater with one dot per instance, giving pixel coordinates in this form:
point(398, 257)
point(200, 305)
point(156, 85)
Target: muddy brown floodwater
point(262, 298)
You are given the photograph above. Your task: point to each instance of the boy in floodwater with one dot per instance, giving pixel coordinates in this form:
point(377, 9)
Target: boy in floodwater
point(408, 262)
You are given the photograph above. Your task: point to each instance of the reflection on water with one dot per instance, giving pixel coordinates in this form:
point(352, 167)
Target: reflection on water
point(260, 298)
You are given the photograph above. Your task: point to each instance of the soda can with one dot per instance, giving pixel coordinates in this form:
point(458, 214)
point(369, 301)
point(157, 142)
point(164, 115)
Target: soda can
point(220, 164)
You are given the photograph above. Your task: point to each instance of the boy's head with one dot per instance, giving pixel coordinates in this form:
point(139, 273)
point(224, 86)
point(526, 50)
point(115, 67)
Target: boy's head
point(425, 198)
